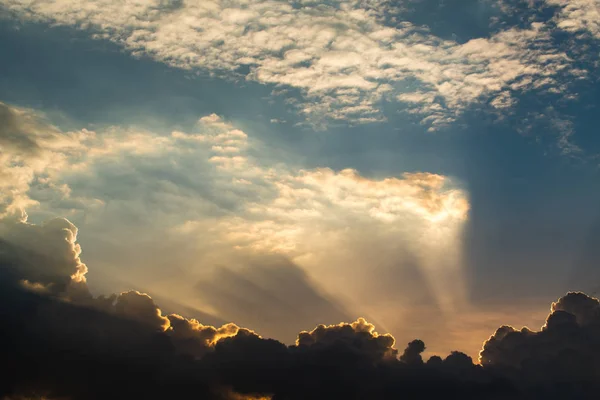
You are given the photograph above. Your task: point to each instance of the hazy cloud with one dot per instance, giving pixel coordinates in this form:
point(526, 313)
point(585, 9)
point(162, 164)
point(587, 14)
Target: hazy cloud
point(214, 194)
point(270, 293)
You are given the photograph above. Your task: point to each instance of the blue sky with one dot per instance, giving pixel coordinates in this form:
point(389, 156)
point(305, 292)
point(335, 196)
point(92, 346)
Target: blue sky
point(414, 159)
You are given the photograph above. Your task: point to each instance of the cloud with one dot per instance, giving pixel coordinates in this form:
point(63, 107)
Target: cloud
point(22, 135)
point(192, 338)
point(37, 154)
point(140, 307)
point(45, 254)
point(564, 350)
point(360, 335)
point(215, 194)
point(578, 16)
point(412, 353)
point(341, 56)
point(122, 346)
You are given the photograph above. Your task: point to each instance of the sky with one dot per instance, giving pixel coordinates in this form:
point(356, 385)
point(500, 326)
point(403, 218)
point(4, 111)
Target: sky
point(431, 166)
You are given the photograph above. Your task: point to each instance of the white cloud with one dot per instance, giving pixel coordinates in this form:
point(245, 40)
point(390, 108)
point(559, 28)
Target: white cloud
point(578, 16)
point(341, 57)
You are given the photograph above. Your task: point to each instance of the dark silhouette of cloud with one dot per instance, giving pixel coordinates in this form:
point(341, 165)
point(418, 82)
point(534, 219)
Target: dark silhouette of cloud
point(563, 356)
point(46, 254)
point(59, 342)
point(412, 353)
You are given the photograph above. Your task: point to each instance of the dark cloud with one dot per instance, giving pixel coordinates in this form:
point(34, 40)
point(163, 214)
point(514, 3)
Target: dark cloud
point(140, 307)
point(192, 338)
point(65, 344)
point(412, 353)
point(45, 254)
point(360, 336)
point(59, 350)
point(562, 356)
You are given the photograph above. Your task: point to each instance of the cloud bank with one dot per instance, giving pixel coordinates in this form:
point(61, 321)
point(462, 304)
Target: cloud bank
point(340, 56)
point(64, 343)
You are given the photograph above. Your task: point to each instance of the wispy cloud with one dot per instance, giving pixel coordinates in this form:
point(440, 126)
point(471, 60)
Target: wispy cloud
point(343, 59)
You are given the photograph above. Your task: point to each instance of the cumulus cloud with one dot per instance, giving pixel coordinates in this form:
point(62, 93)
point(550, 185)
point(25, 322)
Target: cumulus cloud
point(122, 346)
point(359, 335)
point(140, 307)
point(45, 254)
point(193, 338)
point(564, 350)
point(341, 56)
point(585, 309)
point(412, 353)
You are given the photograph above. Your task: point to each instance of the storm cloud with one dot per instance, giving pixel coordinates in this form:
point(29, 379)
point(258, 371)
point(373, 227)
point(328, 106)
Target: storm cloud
point(61, 343)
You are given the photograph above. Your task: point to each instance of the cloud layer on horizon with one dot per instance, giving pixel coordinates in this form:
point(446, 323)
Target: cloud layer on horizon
point(86, 347)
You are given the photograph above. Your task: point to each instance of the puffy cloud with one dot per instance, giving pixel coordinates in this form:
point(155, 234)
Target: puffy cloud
point(46, 254)
point(564, 350)
point(585, 309)
point(412, 353)
point(578, 16)
point(458, 361)
point(192, 338)
point(122, 347)
point(341, 56)
point(60, 350)
point(140, 307)
point(359, 336)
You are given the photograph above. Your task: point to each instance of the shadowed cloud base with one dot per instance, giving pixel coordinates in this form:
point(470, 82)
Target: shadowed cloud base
point(59, 341)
